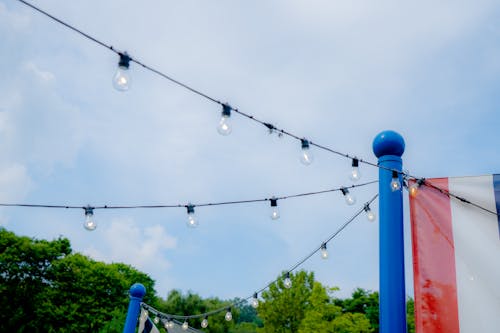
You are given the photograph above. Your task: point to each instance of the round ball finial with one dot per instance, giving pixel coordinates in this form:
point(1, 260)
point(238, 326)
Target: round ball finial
point(388, 143)
point(137, 290)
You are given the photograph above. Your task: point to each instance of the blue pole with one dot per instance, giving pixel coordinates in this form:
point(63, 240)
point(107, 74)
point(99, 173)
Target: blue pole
point(137, 292)
point(389, 146)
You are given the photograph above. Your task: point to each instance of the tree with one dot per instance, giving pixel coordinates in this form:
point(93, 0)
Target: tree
point(284, 308)
point(191, 303)
point(44, 287)
point(364, 302)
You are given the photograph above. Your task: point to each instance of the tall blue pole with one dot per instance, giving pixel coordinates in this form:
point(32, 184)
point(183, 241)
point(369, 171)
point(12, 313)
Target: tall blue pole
point(389, 146)
point(137, 292)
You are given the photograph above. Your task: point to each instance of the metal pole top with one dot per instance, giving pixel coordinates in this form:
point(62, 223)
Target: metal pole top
point(388, 143)
point(137, 290)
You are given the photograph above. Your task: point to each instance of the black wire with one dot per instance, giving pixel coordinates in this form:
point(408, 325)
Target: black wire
point(449, 194)
point(236, 110)
point(291, 269)
point(181, 205)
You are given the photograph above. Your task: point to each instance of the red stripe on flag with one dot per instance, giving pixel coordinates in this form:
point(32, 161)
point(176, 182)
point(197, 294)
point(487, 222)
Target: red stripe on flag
point(436, 306)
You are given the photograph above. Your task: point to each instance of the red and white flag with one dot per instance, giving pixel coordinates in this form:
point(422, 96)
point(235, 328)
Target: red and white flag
point(456, 256)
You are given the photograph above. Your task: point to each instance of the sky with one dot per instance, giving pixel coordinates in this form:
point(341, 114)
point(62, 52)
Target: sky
point(335, 72)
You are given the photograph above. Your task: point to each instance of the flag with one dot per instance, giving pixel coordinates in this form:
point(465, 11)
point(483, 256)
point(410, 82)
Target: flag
point(456, 255)
point(146, 324)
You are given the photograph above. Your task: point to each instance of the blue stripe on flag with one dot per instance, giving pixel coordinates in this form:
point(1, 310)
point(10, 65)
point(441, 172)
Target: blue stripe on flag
point(496, 188)
point(148, 326)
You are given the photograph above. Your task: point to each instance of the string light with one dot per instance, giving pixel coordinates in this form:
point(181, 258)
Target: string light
point(185, 326)
point(89, 223)
point(349, 198)
point(324, 251)
point(228, 316)
point(204, 322)
point(224, 126)
point(369, 214)
point(275, 214)
point(287, 282)
point(395, 183)
point(413, 189)
point(170, 323)
point(355, 174)
point(306, 156)
point(255, 301)
point(121, 79)
point(269, 126)
point(156, 320)
point(192, 221)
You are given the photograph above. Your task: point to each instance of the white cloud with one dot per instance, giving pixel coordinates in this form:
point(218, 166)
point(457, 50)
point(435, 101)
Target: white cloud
point(124, 240)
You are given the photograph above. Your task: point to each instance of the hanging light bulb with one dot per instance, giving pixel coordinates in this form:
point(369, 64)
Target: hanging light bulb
point(395, 183)
point(192, 221)
point(229, 315)
point(287, 282)
point(144, 314)
point(224, 126)
point(204, 322)
point(89, 223)
point(355, 174)
point(349, 198)
point(185, 326)
point(170, 323)
point(306, 156)
point(415, 186)
point(255, 301)
point(156, 320)
point(121, 80)
point(369, 214)
point(324, 251)
point(275, 213)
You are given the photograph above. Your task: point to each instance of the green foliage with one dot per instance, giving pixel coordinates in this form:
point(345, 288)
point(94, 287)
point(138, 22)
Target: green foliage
point(190, 303)
point(46, 288)
point(283, 309)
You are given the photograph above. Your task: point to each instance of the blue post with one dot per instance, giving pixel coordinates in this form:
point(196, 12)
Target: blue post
point(137, 292)
point(389, 146)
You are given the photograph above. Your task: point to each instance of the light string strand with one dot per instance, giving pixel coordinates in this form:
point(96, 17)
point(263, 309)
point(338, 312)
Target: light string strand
point(424, 182)
point(235, 202)
point(269, 126)
point(290, 270)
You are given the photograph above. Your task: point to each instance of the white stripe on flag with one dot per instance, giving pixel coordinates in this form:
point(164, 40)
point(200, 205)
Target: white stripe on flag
point(477, 255)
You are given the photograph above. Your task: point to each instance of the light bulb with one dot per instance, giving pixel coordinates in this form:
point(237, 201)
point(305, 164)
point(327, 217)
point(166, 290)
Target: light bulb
point(192, 221)
point(287, 282)
point(121, 80)
point(395, 183)
point(369, 214)
point(89, 223)
point(170, 324)
point(224, 126)
point(156, 320)
point(229, 315)
point(349, 198)
point(355, 174)
point(306, 156)
point(204, 322)
point(324, 251)
point(144, 314)
point(185, 326)
point(275, 214)
point(255, 301)
point(415, 186)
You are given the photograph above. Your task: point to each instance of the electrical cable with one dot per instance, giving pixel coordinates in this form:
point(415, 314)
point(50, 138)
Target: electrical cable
point(291, 269)
point(182, 205)
point(269, 126)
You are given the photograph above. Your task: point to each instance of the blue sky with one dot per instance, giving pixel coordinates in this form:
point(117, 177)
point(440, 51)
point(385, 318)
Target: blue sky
point(336, 72)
